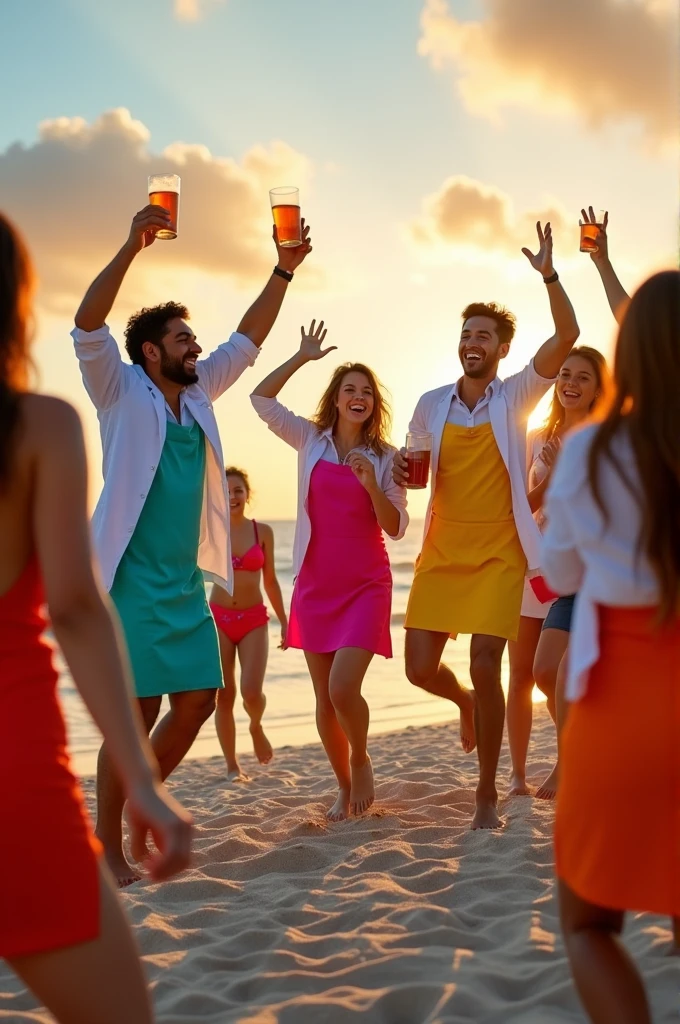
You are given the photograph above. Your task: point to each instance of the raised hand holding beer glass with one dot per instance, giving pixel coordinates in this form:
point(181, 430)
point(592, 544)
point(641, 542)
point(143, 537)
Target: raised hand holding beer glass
point(145, 227)
point(593, 231)
point(290, 258)
point(596, 234)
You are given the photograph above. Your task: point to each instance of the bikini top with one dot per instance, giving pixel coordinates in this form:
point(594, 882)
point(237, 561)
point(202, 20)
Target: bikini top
point(253, 560)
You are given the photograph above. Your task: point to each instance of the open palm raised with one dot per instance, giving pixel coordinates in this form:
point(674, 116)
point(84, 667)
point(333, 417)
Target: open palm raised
point(542, 260)
point(312, 340)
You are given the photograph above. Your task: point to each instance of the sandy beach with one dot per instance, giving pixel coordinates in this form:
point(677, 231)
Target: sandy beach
point(403, 916)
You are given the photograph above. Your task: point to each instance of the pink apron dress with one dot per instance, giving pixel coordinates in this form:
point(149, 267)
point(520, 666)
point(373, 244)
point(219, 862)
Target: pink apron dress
point(343, 593)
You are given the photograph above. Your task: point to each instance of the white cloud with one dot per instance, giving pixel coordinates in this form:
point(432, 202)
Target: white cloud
point(466, 214)
point(605, 61)
point(74, 193)
point(192, 10)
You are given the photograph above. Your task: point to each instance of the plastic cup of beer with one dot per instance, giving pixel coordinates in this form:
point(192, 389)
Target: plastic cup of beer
point(418, 456)
point(589, 233)
point(285, 202)
point(164, 191)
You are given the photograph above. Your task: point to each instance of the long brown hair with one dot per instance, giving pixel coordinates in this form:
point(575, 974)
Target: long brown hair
point(17, 281)
point(646, 407)
point(555, 418)
point(376, 430)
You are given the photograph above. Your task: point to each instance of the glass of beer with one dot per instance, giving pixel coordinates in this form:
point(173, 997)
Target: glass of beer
point(164, 191)
point(589, 233)
point(285, 202)
point(418, 455)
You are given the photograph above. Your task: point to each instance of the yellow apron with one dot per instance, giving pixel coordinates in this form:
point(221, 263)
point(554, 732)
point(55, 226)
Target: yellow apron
point(470, 574)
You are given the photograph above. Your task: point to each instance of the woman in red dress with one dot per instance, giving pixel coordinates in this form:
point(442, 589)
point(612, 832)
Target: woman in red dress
point(62, 928)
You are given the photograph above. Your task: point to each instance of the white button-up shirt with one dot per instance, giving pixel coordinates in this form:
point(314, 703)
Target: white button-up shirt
point(459, 414)
point(509, 404)
point(583, 556)
point(312, 446)
point(133, 417)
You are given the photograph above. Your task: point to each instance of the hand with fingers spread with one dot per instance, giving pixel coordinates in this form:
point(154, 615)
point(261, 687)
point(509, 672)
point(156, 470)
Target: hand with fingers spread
point(601, 254)
point(542, 261)
point(145, 224)
point(550, 452)
point(151, 809)
point(363, 469)
point(290, 257)
point(311, 342)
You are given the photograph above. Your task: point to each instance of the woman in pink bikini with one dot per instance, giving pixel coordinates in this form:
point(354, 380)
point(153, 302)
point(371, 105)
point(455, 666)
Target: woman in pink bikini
point(341, 607)
point(241, 621)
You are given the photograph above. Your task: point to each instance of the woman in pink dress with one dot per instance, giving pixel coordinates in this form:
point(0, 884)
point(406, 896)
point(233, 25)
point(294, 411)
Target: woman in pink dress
point(341, 607)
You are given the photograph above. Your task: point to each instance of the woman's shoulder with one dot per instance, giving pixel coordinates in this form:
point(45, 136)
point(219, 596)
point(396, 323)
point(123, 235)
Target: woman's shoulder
point(49, 418)
point(571, 471)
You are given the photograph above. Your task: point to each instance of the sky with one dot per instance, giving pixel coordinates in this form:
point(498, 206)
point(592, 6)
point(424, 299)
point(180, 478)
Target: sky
point(426, 137)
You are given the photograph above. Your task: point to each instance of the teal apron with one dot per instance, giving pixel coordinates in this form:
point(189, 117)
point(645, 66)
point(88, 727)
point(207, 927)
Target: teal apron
point(158, 589)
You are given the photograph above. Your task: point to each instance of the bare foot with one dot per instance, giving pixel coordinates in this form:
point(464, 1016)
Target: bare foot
point(468, 739)
point(123, 873)
point(237, 775)
point(362, 793)
point(518, 786)
point(340, 809)
point(261, 745)
point(486, 815)
point(548, 789)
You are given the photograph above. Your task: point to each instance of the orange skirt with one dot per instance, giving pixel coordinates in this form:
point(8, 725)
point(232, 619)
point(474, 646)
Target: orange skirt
point(617, 826)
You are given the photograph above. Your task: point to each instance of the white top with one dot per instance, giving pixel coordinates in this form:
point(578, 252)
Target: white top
point(583, 556)
point(312, 446)
point(510, 403)
point(133, 417)
point(461, 416)
point(185, 417)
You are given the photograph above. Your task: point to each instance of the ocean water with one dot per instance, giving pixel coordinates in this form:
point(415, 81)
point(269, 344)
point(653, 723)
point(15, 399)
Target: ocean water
point(289, 718)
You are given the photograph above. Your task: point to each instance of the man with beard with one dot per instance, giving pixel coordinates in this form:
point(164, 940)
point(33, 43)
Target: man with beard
point(480, 536)
point(163, 513)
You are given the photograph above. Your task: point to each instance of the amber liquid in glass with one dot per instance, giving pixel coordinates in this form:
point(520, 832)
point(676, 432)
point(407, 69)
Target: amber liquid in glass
point(418, 469)
point(287, 221)
point(589, 233)
point(170, 202)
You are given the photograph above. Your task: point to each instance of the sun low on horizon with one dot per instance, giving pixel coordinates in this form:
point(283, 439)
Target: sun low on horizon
point(426, 137)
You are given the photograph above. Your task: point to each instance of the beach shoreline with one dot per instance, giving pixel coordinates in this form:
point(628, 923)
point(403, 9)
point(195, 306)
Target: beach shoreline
point(404, 916)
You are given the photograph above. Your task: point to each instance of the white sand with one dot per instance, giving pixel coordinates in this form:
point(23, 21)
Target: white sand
point(404, 916)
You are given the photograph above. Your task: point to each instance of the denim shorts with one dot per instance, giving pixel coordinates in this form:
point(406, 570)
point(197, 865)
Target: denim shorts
point(560, 613)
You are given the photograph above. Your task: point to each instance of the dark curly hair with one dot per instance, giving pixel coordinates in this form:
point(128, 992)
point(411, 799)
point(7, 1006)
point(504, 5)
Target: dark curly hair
point(505, 320)
point(150, 324)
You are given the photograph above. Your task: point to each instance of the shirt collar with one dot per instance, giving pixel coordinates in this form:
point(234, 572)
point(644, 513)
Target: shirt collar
point(491, 390)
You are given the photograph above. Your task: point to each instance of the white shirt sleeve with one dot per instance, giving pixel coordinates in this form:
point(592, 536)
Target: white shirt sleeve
point(560, 560)
point(103, 370)
point(396, 494)
point(224, 366)
point(523, 390)
point(294, 430)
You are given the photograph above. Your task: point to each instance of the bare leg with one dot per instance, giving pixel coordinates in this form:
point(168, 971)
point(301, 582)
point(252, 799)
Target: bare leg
point(486, 653)
point(333, 738)
point(549, 667)
point(253, 652)
point(111, 800)
point(173, 736)
point(520, 707)
point(424, 668)
point(82, 984)
point(346, 676)
point(225, 726)
point(607, 981)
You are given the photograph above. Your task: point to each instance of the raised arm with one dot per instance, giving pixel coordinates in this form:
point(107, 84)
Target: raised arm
point(101, 295)
point(554, 351)
point(617, 296)
point(85, 630)
point(258, 321)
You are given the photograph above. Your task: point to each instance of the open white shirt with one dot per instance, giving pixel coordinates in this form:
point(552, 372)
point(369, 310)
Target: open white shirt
point(312, 446)
point(133, 416)
point(583, 554)
point(507, 405)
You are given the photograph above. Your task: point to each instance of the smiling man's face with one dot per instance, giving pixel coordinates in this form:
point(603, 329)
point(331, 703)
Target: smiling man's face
point(480, 349)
